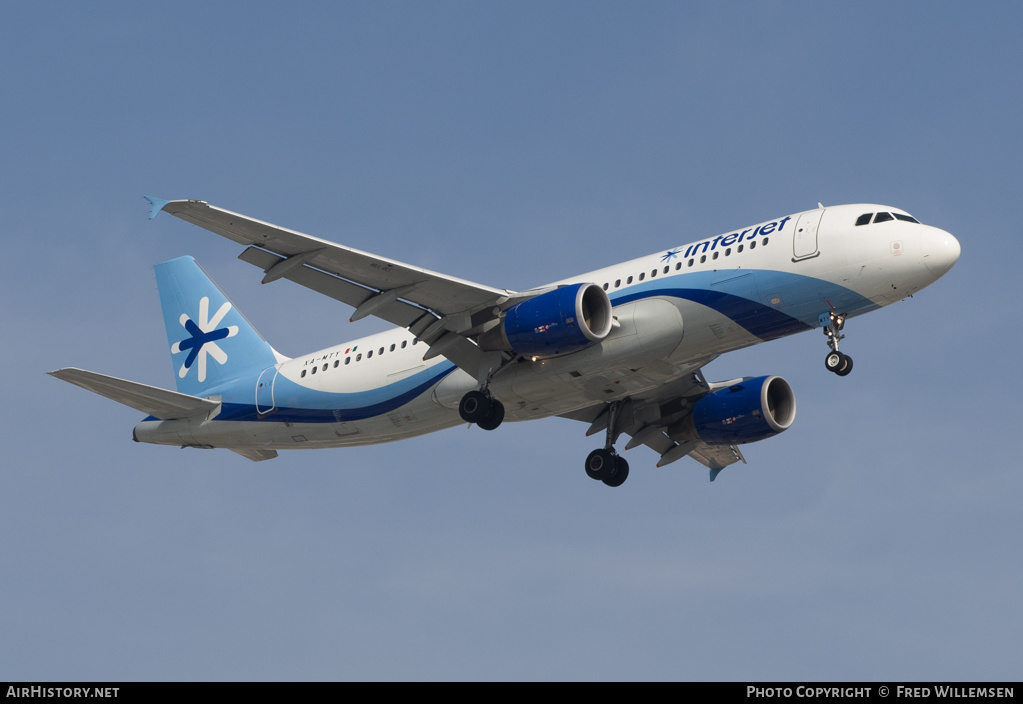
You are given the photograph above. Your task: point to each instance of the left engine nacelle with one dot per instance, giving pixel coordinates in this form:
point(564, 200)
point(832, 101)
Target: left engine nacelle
point(558, 322)
point(753, 409)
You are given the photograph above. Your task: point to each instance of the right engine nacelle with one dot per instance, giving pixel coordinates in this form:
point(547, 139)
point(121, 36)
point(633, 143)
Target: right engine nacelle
point(751, 410)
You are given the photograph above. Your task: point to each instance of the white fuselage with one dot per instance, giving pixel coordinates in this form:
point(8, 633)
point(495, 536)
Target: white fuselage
point(675, 311)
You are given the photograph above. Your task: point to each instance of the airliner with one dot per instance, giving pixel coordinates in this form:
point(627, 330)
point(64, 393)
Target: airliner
point(619, 349)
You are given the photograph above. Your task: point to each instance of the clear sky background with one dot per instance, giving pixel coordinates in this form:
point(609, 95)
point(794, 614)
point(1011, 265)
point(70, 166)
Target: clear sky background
point(510, 144)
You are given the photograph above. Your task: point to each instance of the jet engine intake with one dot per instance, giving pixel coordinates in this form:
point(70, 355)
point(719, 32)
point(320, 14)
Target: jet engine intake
point(751, 410)
point(558, 322)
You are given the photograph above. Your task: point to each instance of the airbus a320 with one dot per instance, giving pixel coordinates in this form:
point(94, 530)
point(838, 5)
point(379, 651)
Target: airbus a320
point(619, 349)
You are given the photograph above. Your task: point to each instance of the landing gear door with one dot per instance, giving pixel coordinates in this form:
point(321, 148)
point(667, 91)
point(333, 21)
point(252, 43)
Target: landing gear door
point(804, 236)
point(265, 391)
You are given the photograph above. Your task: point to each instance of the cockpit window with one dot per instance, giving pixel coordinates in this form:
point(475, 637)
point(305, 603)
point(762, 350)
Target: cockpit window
point(907, 218)
point(864, 219)
point(883, 217)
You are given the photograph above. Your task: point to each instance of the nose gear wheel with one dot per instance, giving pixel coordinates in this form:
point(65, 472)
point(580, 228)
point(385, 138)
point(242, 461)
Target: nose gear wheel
point(835, 361)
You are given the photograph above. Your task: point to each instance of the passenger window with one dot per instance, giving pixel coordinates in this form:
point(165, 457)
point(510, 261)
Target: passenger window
point(764, 241)
point(738, 249)
point(303, 373)
point(679, 265)
point(618, 282)
point(392, 348)
point(666, 268)
point(381, 351)
point(628, 280)
point(324, 367)
point(605, 287)
point(703, 258)
point(728, 251)
point(369, 354)
point(753, 244)
point(863, 219)
point(314, 370)
point(653, 273)
point(347, 360)
point(883, 217)
point(642, 276)
point(715, 255)
point(403, 343)
point(690, 262)
point(336, 363)
point(358, 357)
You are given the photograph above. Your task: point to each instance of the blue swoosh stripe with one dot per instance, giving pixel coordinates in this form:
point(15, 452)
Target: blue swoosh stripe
point(247, 412)
point(760, 320)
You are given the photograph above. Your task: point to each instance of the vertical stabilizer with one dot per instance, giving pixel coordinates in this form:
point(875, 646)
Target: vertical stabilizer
point(211, 342)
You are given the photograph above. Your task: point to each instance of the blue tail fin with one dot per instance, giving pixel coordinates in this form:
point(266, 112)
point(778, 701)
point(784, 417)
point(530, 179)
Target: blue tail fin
point(211, 341)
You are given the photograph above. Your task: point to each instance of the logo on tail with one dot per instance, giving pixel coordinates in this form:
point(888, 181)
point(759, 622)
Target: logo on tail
point(202, 340)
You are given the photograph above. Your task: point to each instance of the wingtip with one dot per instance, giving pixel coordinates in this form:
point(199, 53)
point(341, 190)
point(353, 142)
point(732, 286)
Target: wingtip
point(155, 205)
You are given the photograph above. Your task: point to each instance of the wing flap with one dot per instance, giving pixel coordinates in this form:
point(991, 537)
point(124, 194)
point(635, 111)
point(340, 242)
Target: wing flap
point(716, 457)
point(256, 455)
point(397, 312)
point(152, 400)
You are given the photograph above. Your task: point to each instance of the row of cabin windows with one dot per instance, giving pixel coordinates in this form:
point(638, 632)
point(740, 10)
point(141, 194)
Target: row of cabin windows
point(678, 266)
point(884, 217)
point(358, 357)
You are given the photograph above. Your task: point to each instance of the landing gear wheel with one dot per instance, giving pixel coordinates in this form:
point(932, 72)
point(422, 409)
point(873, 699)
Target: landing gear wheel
point(474, 407)
point(832, 323)
point(847, 368)
point(835, 361)
point(620, 474)
point(601, 465)
point(496, 415)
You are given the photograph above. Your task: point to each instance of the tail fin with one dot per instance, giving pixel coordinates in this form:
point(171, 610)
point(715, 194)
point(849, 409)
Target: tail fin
point(211, 341)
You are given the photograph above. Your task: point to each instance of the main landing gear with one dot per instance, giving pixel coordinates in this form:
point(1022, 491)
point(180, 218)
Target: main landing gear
point(835, 361)
point(605, 464)
point(481, 408)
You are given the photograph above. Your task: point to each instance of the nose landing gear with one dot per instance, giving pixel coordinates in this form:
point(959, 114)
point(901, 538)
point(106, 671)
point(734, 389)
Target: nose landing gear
point(835, 361)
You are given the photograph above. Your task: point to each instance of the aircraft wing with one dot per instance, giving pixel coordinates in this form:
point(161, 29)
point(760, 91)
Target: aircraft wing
point(658, 419)
point(441, 310)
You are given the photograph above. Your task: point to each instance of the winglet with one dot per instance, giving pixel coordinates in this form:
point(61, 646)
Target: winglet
point(155, 205)
point(714, 471)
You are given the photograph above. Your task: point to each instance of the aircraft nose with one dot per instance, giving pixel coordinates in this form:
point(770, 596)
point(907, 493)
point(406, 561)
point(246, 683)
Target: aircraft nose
point(941, 251)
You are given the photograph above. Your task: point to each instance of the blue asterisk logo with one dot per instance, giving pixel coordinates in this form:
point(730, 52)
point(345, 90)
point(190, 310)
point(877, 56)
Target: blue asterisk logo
point(670, 254)
point(202, 340)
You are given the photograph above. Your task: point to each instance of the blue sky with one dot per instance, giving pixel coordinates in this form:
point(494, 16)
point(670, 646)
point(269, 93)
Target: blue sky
point(510, 144)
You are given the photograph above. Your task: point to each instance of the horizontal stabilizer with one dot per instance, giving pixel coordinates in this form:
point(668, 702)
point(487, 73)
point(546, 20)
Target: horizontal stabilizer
point(157, 402)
